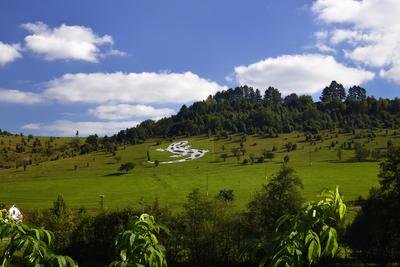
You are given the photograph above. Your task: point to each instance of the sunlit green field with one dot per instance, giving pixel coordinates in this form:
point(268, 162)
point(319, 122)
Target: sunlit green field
point(9, 143)
point(97, 174)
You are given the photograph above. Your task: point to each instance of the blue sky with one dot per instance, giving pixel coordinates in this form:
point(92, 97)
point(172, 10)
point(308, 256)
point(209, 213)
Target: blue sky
point(101, 66)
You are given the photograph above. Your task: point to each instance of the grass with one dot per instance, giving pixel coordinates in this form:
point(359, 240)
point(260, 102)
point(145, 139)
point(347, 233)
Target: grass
point(97, 173)
point(9, 156)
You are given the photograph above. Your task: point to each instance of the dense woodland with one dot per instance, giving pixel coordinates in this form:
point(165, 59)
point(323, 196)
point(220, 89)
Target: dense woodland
point(247, 110)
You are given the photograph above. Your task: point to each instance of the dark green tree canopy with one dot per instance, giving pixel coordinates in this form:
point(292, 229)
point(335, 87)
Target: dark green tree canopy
point(241, 110)
point(335, 92)
point(281, 195)
point(357, 93)
point(272, 95)
point(127, 166)
point(389, 174)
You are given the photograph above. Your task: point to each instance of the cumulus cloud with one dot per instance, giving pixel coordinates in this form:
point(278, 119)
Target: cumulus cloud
point(302, 74)
point(371, 28)
point(19, 97)
point(124, 98)
point(66, 42)
point(122, 87)
point(126, 111)
point(9, 53)
point(322, 38)
point(32, 126)
point(115, 52)
point(85, 128)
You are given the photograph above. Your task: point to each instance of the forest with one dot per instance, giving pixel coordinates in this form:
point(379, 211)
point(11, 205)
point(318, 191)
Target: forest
point(247, 110)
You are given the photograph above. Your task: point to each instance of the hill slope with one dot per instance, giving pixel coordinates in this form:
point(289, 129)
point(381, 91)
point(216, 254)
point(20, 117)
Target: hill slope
point(97, 173)
point(245, 110)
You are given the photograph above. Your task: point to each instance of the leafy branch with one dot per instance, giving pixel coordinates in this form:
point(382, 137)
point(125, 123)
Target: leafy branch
point(31, 244)
point(139, 246)
point(303, 239)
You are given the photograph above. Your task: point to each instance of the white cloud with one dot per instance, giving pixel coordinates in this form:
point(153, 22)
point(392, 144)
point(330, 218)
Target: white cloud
point(126, 111)
point(122, 87)
point(302, 74)
point(32, 126)
point(393, 74)
point(66, 42)
point(116, 91)
point(352, 37)
point(322, 39)
point(116, 52)
point(85, 128)
point(9, 53)
point(370, 27)
point(19, 97)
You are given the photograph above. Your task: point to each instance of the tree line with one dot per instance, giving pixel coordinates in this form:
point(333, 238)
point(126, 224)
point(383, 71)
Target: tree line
point(246, 110)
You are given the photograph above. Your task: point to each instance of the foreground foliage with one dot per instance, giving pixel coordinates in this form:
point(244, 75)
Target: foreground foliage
point(281, 195)
point(139, 246)
point(208, 231)
point(32, 245)
point(303, 239)
point(375, 233)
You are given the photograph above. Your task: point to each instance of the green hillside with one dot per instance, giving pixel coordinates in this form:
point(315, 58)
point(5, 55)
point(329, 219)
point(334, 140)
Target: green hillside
point(19, 150)
point(83, 178)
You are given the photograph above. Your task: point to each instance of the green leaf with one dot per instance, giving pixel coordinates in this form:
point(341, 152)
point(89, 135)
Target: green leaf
point(314, 247)
point(331, 243)
point(342, 210)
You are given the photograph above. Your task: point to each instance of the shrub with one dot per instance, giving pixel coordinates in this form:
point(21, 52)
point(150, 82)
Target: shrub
point(127, 167)
point(139, 246)
point(286, 159)
point(31, 245)
point(361, 153)
point(226, 195)
point(281, 195)
point(302, 239)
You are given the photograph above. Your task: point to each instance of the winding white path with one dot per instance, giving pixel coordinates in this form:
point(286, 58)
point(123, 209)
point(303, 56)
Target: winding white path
point(182, 149)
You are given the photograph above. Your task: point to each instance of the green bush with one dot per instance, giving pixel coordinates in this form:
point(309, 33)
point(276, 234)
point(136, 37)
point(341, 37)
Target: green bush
point(302, 239)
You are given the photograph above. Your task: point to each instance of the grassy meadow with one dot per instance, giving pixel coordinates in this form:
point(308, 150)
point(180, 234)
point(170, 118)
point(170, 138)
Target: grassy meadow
point(97, 173)
point(49, 145)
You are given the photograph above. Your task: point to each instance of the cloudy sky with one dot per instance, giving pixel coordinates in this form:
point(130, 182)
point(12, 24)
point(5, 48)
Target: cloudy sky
point(100, 66)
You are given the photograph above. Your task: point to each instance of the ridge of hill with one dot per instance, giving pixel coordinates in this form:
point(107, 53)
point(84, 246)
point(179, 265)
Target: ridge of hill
point(246, 110)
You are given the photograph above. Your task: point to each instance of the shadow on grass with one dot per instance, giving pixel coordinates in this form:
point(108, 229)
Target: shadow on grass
point(152, 165)
point(115, 174)
point(214, 161)
point(351, 161)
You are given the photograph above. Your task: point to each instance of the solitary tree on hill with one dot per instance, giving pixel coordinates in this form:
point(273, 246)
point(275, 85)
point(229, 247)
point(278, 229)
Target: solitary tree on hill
point(286, 159)
point(226, 195)
point(339, 154)
point(127, 167)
